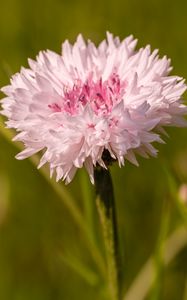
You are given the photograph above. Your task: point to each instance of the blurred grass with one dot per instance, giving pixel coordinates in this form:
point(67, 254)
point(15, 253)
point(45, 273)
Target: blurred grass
point(35, 226)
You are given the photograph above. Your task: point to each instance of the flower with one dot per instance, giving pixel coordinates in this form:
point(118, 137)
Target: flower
point(183, 193)
point(91, 100)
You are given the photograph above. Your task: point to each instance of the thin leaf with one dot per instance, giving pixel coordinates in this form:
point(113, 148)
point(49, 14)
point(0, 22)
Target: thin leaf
point(78, 267)
point(159, 252)
point(67, 200)
point(144, 280)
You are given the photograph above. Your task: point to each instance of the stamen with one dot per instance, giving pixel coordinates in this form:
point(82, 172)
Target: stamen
point(102, 96)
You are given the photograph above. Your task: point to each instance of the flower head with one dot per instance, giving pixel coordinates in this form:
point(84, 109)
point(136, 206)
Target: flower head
point(91, 100)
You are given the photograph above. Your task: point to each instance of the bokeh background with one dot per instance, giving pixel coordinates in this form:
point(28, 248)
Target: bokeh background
point(51, 247)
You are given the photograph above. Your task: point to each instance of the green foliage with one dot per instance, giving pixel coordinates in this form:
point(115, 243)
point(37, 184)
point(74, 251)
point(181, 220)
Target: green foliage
point(51, 246)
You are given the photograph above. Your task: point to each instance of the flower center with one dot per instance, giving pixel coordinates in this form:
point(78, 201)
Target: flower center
point(102, 96)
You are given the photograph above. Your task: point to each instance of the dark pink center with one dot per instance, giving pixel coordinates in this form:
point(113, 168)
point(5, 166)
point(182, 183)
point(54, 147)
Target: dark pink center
point(101, 95)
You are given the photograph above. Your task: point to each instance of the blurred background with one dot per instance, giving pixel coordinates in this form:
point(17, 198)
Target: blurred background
point(51, 247)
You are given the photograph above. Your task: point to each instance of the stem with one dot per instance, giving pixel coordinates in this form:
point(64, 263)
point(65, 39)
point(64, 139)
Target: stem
point(106, 210)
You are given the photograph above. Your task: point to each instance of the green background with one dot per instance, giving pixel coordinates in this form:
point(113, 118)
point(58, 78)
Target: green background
point(44, 254)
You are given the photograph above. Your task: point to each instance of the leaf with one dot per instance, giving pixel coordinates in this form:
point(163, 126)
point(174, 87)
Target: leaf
point(78, 267)
point(143, 282)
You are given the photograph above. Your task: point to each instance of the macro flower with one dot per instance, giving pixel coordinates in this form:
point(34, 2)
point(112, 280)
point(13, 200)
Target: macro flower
point(76, 106)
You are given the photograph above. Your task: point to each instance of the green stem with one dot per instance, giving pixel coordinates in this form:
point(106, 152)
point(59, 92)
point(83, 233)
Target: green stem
point(106, 210)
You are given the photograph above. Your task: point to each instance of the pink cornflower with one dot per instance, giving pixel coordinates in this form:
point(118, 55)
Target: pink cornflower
point(91, 100)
